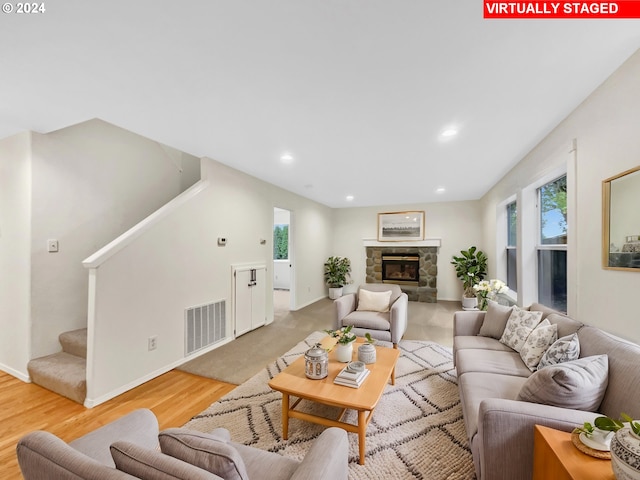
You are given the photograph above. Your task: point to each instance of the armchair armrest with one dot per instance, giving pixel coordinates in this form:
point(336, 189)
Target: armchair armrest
point(343, 306)
point(505, 434)
point(398, 318)
point(328, 457)
point(467, 322)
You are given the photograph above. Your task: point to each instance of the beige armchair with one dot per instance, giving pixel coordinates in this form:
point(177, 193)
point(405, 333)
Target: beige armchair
point(378, 308)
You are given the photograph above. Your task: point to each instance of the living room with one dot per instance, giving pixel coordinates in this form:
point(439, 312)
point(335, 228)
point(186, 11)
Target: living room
point(595, 141)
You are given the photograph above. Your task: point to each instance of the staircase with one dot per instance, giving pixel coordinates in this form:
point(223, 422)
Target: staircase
point(64, 373)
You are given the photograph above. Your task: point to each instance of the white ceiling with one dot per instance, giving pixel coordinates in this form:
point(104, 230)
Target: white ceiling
point(356, 90)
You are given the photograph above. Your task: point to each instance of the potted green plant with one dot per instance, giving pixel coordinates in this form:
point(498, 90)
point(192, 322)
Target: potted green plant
point(336, 274)
point(471, 268)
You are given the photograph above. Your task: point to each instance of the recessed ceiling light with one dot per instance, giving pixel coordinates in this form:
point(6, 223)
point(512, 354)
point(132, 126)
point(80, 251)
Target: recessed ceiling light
point(286, 158)
point(349, 198)
point(441, 190)
point(449, 132)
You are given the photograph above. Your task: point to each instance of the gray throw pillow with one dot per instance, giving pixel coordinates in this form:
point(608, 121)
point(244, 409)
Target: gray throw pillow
point(495, 320)
point(578, 384)
point(562, 350)
point(206, 451)
point(150, 464)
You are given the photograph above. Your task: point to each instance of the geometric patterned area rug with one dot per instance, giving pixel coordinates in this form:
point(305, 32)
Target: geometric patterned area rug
point(416, 431)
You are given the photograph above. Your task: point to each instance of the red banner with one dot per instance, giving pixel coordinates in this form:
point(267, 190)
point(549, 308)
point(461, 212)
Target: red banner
point(562, 9)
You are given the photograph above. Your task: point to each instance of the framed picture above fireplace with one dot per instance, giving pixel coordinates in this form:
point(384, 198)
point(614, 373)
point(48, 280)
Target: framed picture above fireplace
point(400, 226)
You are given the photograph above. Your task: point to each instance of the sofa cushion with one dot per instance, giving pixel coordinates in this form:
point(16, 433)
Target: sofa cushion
point(265, 465)
point(205, 451)
point(491, 361)
point(579, 384)
point(372, 320)
point(373, 301)
point(463, 342)
point(150, 464)
point(475, 387)
point(562, 350)
point(539, 307)
point(623, 390)
point(566, 325)
point(520, 324)
point(537, 343)
point(495, 320)
point(139, 427)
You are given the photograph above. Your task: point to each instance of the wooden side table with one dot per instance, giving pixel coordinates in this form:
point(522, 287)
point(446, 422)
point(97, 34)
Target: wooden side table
point(555, 457)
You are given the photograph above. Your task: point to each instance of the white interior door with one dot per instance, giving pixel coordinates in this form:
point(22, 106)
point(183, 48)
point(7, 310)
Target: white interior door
point(250, 298)
point(243, 302)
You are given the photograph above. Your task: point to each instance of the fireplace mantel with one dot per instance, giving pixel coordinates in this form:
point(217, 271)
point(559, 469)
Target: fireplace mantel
point(427, 242)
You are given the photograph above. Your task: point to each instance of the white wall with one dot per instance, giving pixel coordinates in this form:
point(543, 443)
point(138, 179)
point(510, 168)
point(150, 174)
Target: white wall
point(15, 255)
point(91, 182)
point(458, 224)
point(605, 127)
point(143, 289)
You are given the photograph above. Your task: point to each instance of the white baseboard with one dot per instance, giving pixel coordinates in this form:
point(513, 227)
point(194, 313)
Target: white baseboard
point(299, 307)
point(92, 402)
point(15, 373)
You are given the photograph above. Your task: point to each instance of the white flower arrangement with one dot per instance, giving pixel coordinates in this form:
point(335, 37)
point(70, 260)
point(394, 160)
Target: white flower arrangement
point(488, 290)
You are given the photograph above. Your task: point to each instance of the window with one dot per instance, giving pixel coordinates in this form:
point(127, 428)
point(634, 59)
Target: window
point(512, 237)
point(552, 244)
point(280, 242)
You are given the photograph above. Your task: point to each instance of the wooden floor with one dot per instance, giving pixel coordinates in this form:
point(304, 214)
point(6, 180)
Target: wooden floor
point(174, 397)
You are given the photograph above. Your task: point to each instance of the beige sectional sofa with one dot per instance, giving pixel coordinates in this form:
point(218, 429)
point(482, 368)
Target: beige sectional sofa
point(132, 447)
point(500, 393)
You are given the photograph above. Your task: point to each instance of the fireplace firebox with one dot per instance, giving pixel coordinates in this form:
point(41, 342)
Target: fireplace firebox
point(401, 269)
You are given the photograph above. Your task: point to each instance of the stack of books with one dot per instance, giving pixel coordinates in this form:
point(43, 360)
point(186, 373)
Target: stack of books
point(351, 379)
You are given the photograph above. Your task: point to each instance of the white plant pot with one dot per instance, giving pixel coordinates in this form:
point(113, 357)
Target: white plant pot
point(344, 353)
point(469, 303)
point(335, 293)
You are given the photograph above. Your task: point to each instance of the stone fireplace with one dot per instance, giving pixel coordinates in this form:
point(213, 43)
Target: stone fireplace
point(413, 268)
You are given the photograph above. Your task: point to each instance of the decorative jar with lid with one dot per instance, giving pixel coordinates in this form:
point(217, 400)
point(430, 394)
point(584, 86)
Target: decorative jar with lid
point(367, 353)
point(316, 362)
point(625, 454)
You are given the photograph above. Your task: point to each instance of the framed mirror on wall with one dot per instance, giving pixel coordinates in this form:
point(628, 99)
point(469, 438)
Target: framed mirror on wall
point(621, 221)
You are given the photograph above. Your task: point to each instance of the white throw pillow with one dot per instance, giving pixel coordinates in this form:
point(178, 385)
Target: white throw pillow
point(373, 301)
point(520, 324)
point(537, 343)
point(564, 349)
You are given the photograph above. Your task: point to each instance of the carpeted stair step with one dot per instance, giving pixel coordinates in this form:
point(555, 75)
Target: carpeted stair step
point(74, 342)
point(62, 373)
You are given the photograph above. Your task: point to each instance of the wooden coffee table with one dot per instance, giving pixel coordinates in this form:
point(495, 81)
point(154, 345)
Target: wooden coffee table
point(292, 381)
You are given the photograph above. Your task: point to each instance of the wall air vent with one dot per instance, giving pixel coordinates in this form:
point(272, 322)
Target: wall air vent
point(204, 325)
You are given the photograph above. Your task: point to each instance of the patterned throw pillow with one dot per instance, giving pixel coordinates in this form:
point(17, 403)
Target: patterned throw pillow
point(520, 324)
point(537, 343)
point(563, 350)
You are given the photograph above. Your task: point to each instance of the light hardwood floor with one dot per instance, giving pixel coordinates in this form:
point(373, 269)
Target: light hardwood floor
point(174, 397)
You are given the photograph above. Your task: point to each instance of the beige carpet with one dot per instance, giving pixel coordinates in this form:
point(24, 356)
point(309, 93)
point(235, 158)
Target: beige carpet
point(232, 362)
point(416, 431)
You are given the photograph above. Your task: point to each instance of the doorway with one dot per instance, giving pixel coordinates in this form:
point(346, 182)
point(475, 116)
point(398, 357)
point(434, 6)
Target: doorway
point(283, 271)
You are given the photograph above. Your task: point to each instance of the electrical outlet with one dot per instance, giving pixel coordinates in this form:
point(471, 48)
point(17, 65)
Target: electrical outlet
point(152, 342)
point(52, 245)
